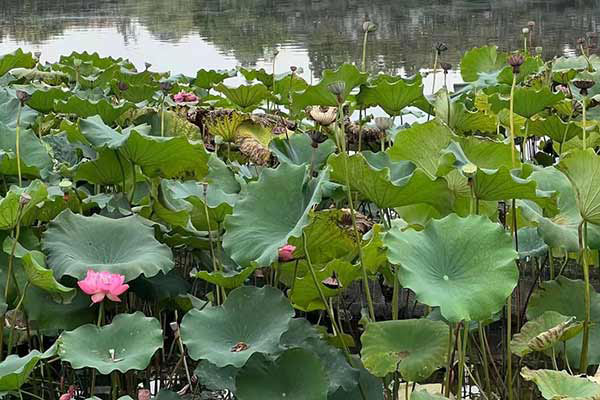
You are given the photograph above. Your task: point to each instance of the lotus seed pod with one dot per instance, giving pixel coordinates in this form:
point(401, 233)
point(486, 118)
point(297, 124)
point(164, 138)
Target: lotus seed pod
point(469, 170)
point(147, 65)
point(324, 116)
point(337, 88)
point(583, 85)
point(65, 185)
point(441, 47)
point(446, 66)
point(525, 31)
point(293, 68)
point(531, 24)
point(122, 86)
point(539, 50)
point(37, 54)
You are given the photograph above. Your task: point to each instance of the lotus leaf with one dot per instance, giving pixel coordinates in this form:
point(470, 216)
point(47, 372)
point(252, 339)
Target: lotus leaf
point(15, 370)
point(392, 97)
point(127, 343)
point(251, 319)
point(561, 385)
point(582, 168)
point(415, 347)
point(126, 246)
point(38, 275)
point(464, 265)
point(272, 210)
point(481, 61)
point(246, 97)
point(542, 333)
point(298, 150)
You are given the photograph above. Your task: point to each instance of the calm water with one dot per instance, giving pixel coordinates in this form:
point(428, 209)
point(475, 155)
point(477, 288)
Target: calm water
point(185, 35)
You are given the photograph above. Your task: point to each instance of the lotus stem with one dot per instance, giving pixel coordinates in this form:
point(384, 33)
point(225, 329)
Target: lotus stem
point(449, 363)
point(336, 329)
point(435, 63)
point(395, 298)
point(583, 121)
point(210, 240)
point(14, 320)
point(162, 117)
point(512, 121)
point(582, 231)
point(133, 183)
point(462, 349)
point(18, 143)
point(486, 368)
point(364, 52)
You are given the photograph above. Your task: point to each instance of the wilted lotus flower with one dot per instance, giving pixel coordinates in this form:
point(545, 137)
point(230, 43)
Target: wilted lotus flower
point(23, 96)
point(446, 66)
point(515, 61)
point(286, 253)
point(24, 199)
point(166, 86)
point(293, 68)
point(103, 284)
point(383, 123)
point(369, 27)
point(183, 97)
point(324, 116)
point(147, 65)
point(144, 394)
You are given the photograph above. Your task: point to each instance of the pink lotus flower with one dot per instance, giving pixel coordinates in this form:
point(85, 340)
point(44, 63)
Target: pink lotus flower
point(183, 97)
point(144, 394)
point(103, 284)
point(69, 395)
point(286, 253)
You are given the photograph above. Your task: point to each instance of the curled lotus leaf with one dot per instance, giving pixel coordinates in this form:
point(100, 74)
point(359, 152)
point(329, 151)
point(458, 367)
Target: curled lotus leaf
point(544, 332)
point(582, 168)
point(250, 321)
point(126, 246)
point(464, 265)
point(127, 343)
point(15, 370)
point(561, 385)
point(415, 347)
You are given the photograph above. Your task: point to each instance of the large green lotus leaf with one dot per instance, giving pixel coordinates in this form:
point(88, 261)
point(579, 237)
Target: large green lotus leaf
point(250, 321)
point(260, 75)
point(298, 150)
point(283, 88)
point(555, 128)
point(559, 231)
point(95, 60)
point(224, 185)
point(329, 236)
point(531, 65)
point(370, 387)
point(319, 95)
point(389, 184)
point(34, 154)
point(246, 97)
point(50, 317)
point(134, 93)
point(160, 287)
point(528, 101)
point(464, 265)
point(86, 108)
point(34, 264)
point(566, 297)
point(127, 343)
point(422, 144)
point(458, 118)
point(16, 59)
point(582, 168)
point(415, 347)
point(531, 244)
point(15, 370)
point(296, 375)
point(272, 210)
point(392, 97)
point(561, 385)
point(126, 246)
point(98, 134)
point(10, 204)
point(43, 99)
point(481, 61)
point(229, 276)
point(206, 79)
point(106, 169)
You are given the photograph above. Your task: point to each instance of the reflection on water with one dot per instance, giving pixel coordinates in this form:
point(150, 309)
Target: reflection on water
point(185, 35)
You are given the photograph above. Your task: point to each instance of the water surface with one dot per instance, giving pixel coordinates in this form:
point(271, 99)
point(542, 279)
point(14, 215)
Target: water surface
point(185, 35)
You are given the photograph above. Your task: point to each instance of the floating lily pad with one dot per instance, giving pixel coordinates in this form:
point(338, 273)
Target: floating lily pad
point(125, 246)
point(128, 343)
point(415, 347)
point(250, 321)
point(464, 265)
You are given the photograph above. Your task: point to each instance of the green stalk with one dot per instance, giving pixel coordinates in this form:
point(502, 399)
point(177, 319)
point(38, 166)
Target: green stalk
point(486, 369)
point(512, 121)
point(162, 117)
point(584, 103)
point(14, 320)
point(364, 52)
point(133, 184)
point(395, 297)
point(435, 63)
point(449, 362)
point(98, 324)
point(18, 143)
point(461, 357)
point(586, 276)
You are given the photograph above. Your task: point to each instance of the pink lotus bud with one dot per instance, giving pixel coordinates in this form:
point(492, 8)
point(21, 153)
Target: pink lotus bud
point(103, 284)
point(183, 97)
point(286, 253)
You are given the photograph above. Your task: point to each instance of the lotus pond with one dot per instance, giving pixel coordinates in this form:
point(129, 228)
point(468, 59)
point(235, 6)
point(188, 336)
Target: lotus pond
point(169, 236)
